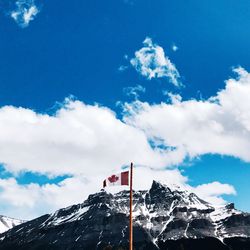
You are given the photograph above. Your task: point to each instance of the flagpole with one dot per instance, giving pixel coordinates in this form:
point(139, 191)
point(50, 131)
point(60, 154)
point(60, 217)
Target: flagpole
point(131, 207)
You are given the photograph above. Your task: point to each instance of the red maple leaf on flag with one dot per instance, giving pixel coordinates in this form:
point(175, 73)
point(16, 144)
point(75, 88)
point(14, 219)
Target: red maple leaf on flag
point(113, 178)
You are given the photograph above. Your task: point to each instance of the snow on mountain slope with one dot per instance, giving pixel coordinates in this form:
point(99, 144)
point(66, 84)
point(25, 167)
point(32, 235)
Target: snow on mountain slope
point(7, 223)
point(167, 212)
point(157, 210)
point(161, 214)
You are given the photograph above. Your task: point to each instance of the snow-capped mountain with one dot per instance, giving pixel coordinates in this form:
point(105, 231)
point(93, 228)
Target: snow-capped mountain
point(7, 223)
point(164, 218)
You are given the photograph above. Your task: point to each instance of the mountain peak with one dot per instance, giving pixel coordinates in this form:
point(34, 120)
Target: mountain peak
point(161, 215)
point(158, 184)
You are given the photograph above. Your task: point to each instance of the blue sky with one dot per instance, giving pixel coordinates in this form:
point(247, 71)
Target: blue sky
point(52, 50)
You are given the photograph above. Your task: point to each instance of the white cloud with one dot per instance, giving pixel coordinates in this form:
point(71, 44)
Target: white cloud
point(134, 91)
point(86, 141)
point(25, 11)
point(78, 139)
point(89, 142)
point(32, 200)
point(151, 62)
point(212, 192)
point(219, 125)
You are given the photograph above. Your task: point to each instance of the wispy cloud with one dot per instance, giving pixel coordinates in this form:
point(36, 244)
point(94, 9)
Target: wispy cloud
point(151, 62)
point(174, 47)
point(122, 68)
point(25, 12)
point(134, 91)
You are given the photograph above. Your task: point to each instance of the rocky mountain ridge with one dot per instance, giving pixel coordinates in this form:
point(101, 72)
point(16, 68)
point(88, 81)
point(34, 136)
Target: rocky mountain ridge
point(164, 218)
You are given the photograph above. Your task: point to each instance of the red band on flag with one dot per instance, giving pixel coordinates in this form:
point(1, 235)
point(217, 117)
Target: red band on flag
point(124, 177)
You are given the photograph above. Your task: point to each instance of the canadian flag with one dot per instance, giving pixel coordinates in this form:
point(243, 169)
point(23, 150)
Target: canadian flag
point(117, 179)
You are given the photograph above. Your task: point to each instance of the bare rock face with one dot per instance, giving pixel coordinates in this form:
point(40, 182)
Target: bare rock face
point(164, 218)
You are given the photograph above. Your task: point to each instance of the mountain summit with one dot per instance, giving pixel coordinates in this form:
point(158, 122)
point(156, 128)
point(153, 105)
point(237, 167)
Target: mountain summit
point(164, 218)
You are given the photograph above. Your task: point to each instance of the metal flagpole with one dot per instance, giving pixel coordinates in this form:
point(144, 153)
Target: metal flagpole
point(131, 207)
